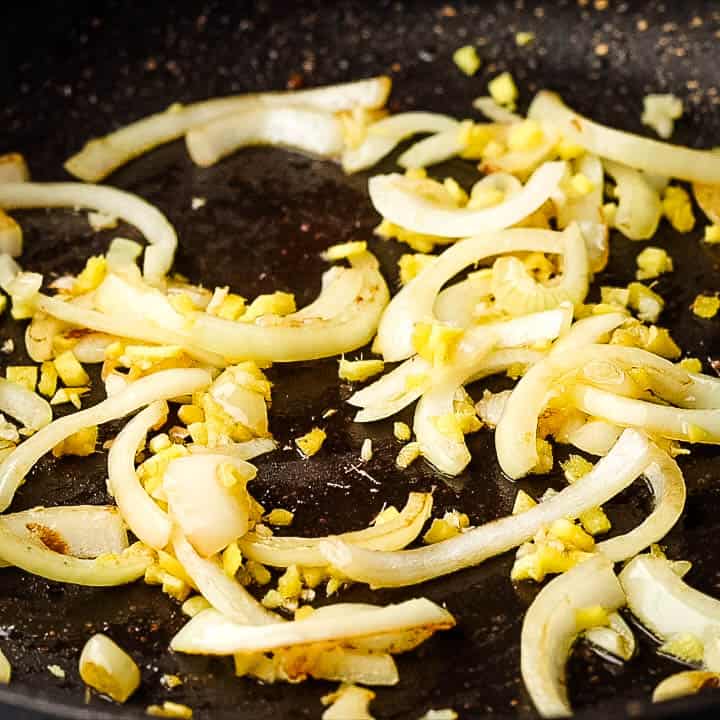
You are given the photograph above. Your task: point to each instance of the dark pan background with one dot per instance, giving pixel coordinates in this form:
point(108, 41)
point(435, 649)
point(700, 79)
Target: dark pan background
point(77, 70)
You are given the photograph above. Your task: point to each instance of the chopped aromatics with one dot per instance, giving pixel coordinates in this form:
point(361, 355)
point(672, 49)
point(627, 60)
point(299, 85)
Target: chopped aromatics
point(503, 90)
point(81, 443)
point(677, 208)
point(466, 58)
point(107, 668)
point(660, 113)
point(5, 669)
point(311, 442)
point(523, 502)
point(170, 710)
point(25, 375)
point(56, 671)
point(359, 370)
point(706, 306)
point(653, 261)
point(345, 250)
point(348, 701)
point(407, 455)
point(280, 517)
point(411, 265)
point(366, 450)
point(712, 234)
point(685, 646)
point(524, 38)
point(71, 372)
point(692, 365)
point(402, 431)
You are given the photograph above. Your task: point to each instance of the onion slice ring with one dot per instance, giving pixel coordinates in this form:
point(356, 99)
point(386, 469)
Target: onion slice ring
point(652, 156)
point(144, 517)
point(26, 406)
point(612, 474)
point(101, 156)
point(161, 385)
point(394, 200)
point(549, 629)
point(159, 233)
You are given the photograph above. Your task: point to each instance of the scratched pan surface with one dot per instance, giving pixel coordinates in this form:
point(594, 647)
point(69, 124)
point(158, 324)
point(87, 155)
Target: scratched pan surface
point(75, 73)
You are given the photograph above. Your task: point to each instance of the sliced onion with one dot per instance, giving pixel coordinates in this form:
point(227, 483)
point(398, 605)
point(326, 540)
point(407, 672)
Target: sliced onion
point(432, 150)
point(246, 450)
point(162, 385)
point(611, 475)
point(338, 284)
point(516, 433)
point(523, 162)
point(82, 531)
point(101, 156)
point(587, 207)
point(457, 303)
point(313, 131)
point(617, 639)
point(497, 113)
point(595, 437)
point(383, 135)
point(652, 156)
point(225, 594)
point(24, 405)
point(103, 571)
point(415, 302)
point(393, 198)
point(355, 666)
point(549, 630)
point(688, 682)
point(142, 514)
point(701, 426)
point(91, 348)
point(11, 236)
point(210, 633)
point(394, 534)
point(668, 488)
point(210, 515)
point(639, 208)
point(118, 203)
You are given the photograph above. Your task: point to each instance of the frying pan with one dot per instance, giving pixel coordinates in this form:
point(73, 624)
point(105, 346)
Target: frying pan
point(77, 70)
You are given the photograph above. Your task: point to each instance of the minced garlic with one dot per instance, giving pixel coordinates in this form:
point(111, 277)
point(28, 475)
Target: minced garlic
point(311, 442)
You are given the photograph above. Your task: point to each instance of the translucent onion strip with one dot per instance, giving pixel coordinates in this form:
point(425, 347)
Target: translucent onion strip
point(651, 156)
point(225, 594)
point(162, 385)
point(82, 531)
point(111, 201)
point(497, 113)
point(210, 633)
point(313, 131)
point(25, 406)
point(432, 150)
point(143, 515)
point(639, 208)
point(612, 474)
point(101, 156)
point(394, 534)
point(104, 571)
point(549, 630)
point(393, 198)
point(415, 302)
point(457, 303)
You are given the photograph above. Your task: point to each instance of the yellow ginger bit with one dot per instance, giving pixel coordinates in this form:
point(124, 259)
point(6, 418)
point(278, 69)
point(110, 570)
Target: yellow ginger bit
point(455, 191)
point(290, 583)
point(71, 372)
point(660, 112)
point(171, 681)
point(568, 150)
point(466, 58)
point(313, 576)
point(523, 502)
point(416, 173)
point(71, 395)
point(590, 617)
point(304, 612)
point(524, 38)
point(229, 476)
point(652, 262)
point(231, 559)
point(440, 530)
point(402, 431)
point(546, 560)
point(412, 264)
point(366, 450)
point(144, 357)
point(195, 605)
point(408, 455)
point(3, 303)
point(385, 515)
point(475, 137)
point(170, 710)
point(345, 250)
point(524, 136)
point(170, 585)
point(654, 339)
point(581, 184)
point(691, 365)
point(419, 242)
point(48, 379)
point(81, 443)
point(695, 433)
point(169, 563)
point(712, 234)
point(645, 302)
point(258, 572)
point(436, 341)
point(609, 211)
point(448, 426)
point(503, 90)
point(182, 303)
point(545, 457)
point(576, 467)
point(278, 303)
point(159, 442)
point(359, 370)
point(25, 375)
point(687, 647)
point(677, 208)
point(706, 306)
point(198, 433)
point(91, 275)
point(595, 521)
point(280, 517)
point(571, 535)
point(494, 150)
point(311, 442)
point(188, 414)
point(232, 307)
point(333, 585)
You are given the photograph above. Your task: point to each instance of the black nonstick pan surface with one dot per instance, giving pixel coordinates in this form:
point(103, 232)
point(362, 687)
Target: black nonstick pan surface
point(77, 70)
